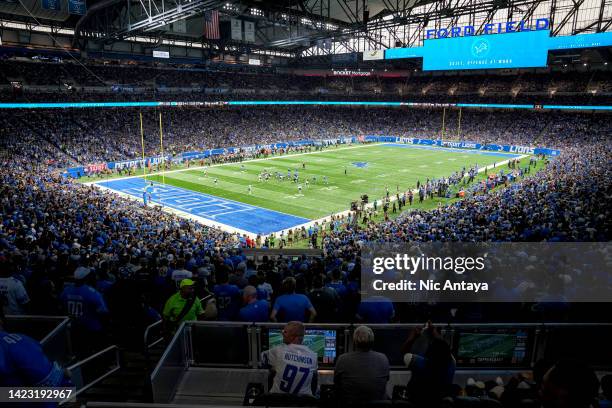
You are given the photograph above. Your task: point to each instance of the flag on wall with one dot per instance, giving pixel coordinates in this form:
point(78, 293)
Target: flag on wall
point(211, 25)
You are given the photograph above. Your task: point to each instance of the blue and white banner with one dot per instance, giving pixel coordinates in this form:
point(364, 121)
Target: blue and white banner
point(51, 5)
point(77, 7)
point(465, 145)
point(521, 149)
point(459, 145)
point(126, 164)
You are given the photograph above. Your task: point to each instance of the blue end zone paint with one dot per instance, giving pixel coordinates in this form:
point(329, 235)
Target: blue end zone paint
point(232, 213)
point(453, 150)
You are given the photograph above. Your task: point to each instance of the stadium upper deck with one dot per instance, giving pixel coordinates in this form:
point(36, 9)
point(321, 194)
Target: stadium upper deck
point(69, 81)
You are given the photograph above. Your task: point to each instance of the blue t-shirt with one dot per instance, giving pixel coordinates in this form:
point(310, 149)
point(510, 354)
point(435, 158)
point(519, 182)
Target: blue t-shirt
point(258, 311)
point(85, 305)
point(376, 311)
point(23, 363)
point(292, 307)
point(228, 301)
point(339, 287)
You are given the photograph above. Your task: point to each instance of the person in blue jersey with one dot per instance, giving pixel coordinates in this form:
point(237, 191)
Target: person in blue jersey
point(254, 310)
point(87, 308)
point(377, 309)
point(227, 296)
point(291, 306)
point(337, 283)
point(24, 364)
point(432, 369)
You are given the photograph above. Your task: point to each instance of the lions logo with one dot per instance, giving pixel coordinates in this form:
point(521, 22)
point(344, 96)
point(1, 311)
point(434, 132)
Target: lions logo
point(480, 48)
point(361, 165)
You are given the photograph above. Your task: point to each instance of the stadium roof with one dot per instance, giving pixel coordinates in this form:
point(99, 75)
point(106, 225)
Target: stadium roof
point(297, 27)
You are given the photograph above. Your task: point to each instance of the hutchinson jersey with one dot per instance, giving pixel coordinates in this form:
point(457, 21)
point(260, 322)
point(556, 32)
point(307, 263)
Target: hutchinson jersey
point(295, 366)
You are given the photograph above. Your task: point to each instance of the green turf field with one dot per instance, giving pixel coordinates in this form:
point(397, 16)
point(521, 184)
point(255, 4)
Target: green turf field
point(386, 166)
point(477, 345)
point(315, 342)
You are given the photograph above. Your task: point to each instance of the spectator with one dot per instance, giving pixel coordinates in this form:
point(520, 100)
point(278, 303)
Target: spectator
point(325, 301)
point(12, 294)
point(569, 384)
point(291, 306)
point(23, 363)
point(86, 307)
point(606, 388)
point(227, 296)
point(361, 376)
point(292, 365)
point(183, 306)
point(376, 309)
point(254, 310)
point(433, 370)
point(180, 272)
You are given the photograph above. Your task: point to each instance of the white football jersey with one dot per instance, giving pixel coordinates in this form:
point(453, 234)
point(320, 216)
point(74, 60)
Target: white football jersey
point(295, 365)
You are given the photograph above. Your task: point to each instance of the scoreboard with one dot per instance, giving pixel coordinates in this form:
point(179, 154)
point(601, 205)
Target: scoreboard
point(521, 49)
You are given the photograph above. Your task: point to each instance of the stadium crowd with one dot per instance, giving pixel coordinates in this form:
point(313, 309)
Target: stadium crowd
point(87, 136)
point(130, 265)
point(30, 81)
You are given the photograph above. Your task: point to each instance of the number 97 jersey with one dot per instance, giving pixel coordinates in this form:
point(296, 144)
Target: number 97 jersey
point(295, 366)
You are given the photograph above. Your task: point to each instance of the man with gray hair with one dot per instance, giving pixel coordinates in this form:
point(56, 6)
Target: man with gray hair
point(361, 375)
point(254, 310)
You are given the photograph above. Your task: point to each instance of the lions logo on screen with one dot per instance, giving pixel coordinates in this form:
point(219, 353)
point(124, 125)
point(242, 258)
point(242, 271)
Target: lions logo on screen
point(361, 165)
point(480, 48)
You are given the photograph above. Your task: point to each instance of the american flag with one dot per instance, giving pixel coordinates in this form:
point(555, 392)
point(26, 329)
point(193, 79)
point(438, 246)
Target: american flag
point(211, 25)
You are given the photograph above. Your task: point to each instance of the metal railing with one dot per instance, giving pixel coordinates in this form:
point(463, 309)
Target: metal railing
point(157, 327)
point(77, 370)
point(147, 332)
point(53, 333)
point(171, 366)
point(194, 345)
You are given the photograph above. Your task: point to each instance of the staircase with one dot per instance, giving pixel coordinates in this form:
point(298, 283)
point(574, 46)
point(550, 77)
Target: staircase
point(130, 384)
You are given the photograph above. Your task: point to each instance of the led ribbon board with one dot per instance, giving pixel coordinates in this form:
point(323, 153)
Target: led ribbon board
point(82, 105)
point(513, 50)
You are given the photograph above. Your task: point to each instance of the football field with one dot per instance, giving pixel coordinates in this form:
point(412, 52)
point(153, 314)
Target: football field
point(336, 177)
